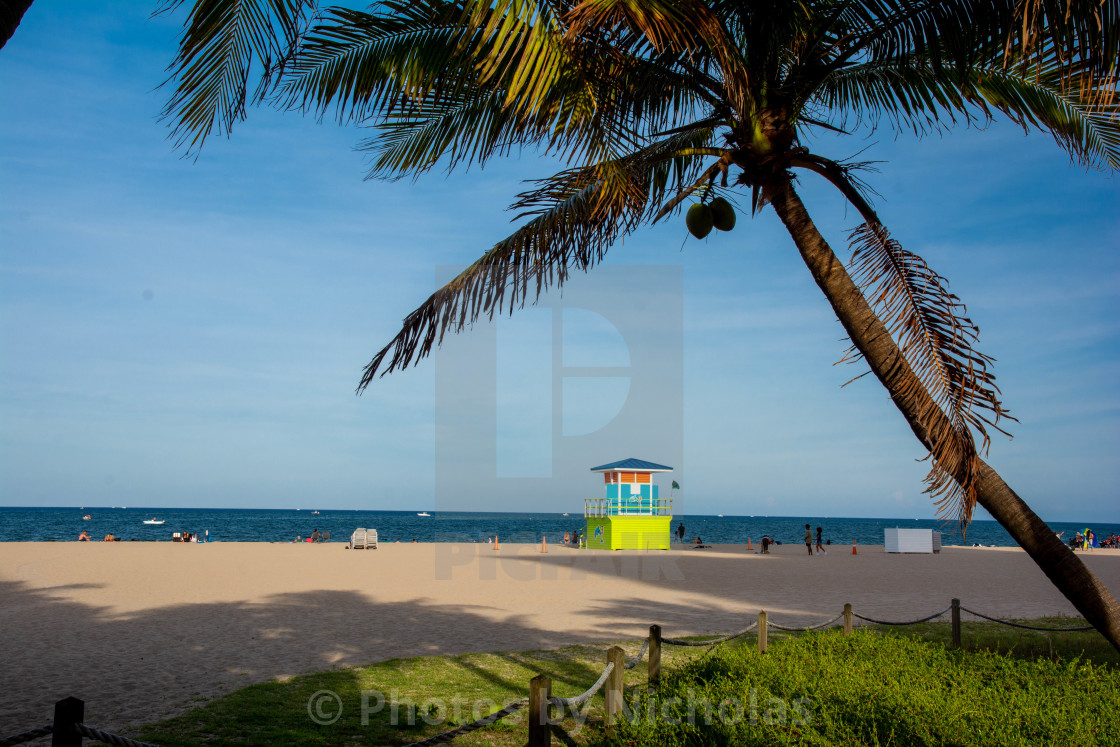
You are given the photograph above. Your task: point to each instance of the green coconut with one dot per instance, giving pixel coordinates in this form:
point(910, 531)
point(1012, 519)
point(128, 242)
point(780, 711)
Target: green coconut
point(723, 215)
point(699, 220)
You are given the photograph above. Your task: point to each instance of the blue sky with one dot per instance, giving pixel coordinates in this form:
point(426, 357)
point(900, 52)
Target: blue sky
point(179, 332)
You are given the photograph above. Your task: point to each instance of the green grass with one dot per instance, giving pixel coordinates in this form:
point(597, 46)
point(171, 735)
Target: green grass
point(464, 687)
point(875, 687)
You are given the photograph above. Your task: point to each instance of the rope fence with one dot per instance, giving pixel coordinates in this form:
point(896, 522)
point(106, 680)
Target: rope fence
point(905, 622)
point(579, 700)
point(711, 642)
point(27, 736)
point(68, 729)
point(630, 664)
point(807, 627)
point(1023, 625)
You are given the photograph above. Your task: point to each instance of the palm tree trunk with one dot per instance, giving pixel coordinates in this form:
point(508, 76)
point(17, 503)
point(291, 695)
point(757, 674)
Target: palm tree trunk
point(868, 333)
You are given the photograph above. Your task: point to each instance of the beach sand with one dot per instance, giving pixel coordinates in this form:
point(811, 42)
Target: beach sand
point(141, 631)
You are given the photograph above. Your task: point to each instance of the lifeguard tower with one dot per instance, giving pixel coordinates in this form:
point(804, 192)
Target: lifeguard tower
point(632, 516)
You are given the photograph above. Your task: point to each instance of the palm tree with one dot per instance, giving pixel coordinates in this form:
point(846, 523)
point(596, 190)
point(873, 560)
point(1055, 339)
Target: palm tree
point(656, 102)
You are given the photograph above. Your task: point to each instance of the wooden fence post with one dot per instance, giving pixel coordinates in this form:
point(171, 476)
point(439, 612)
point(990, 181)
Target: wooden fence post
point(540, 726)
point(654, 655)
point(847, 619)
point(956, 623)
point(761, 632)
point(68, 713)
point(616, 656)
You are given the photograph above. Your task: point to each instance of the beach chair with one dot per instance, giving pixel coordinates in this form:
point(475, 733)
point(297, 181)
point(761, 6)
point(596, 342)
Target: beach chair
point(371, 539)
point(358, 539)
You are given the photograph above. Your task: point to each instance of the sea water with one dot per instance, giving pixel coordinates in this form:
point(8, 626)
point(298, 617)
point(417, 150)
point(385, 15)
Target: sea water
point(284, 525)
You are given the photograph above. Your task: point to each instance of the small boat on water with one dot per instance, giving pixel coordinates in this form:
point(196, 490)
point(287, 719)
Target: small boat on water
point(565, 513)
point(153, 520)
point(87, 517)
point(423, 513)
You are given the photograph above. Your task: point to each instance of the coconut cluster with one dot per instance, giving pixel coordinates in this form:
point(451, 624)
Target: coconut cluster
point(701, 218)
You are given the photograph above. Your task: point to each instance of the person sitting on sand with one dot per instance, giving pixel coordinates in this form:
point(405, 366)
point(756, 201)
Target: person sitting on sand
point(108, 538)
point(84, 536)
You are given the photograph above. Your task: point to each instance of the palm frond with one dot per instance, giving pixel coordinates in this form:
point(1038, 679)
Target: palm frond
point(1084, 122)
point(665, 24)
point(690, 29)
point(1083, 33)
point(222, 42)
point(11, 13)
point(364, 64)
point(439, 83)
point(573, 219)
point(908, 93)
point(937, 339)
point(952, 39)
point(844, 177)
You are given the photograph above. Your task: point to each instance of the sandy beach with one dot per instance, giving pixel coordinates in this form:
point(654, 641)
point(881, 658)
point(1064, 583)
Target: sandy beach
point(141, 631)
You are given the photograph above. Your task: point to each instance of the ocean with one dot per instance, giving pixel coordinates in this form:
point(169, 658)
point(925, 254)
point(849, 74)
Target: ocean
point(284, 525)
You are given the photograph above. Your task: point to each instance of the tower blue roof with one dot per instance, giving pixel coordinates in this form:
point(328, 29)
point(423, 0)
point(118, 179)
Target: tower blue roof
point(632, 463)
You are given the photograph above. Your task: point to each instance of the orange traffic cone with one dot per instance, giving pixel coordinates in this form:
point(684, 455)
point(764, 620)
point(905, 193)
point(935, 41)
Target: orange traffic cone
point(854, 548)
point(749, 544)
point(496, 545)
point(544, 544)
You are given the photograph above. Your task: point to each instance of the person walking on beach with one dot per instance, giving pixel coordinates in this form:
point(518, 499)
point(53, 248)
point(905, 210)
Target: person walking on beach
point(820, 546)
point(809, 540)
point(680, 532)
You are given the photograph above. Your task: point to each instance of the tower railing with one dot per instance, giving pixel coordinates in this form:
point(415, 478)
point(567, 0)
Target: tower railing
point(628, 506)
